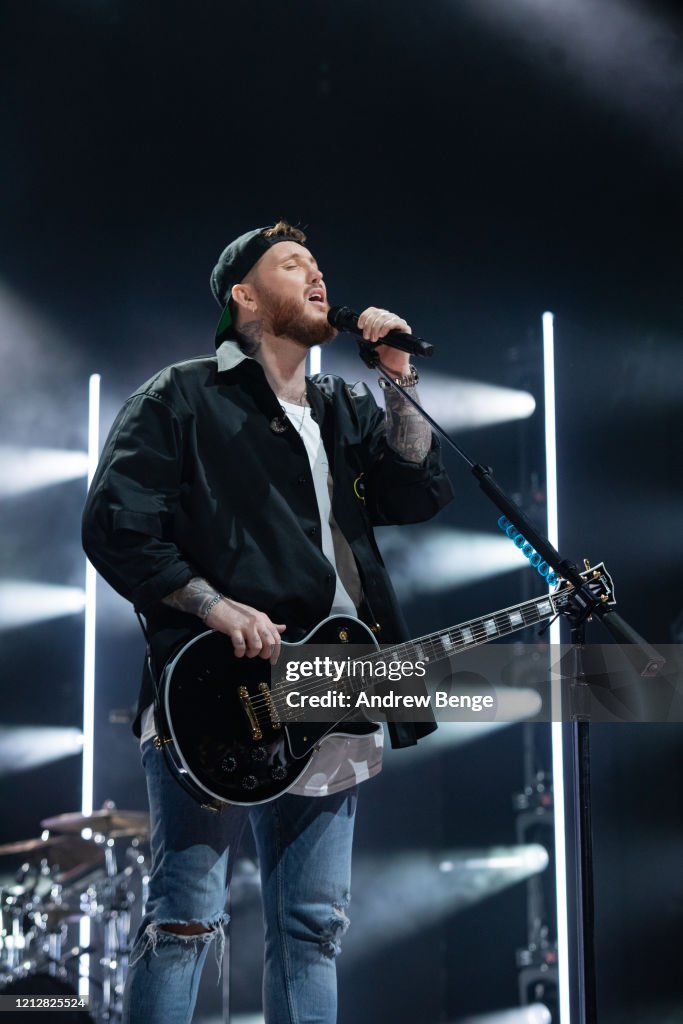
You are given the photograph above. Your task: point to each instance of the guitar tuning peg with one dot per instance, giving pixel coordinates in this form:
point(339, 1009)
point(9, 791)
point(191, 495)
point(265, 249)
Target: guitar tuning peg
point(586, 564)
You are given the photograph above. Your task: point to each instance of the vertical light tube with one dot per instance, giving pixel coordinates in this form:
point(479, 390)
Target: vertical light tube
point(550, 427)
point(89, 670)
point(84, 958)
point(90, 613)
point(314, 359)
point(556, 692)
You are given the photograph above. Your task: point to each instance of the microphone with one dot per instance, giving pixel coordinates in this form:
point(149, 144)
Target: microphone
point(344, 319)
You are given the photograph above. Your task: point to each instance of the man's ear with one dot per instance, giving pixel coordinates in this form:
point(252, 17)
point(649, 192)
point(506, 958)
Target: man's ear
point(243, 296)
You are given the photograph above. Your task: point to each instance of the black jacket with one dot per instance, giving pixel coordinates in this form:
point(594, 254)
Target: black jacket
point(196, 480)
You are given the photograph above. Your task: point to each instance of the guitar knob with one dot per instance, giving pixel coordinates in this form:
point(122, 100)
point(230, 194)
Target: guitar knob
point(228, 764)
point(249, 782)
point(259, 754)
point(279, 772)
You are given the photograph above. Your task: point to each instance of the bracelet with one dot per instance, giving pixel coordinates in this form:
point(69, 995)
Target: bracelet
point(408, 380)
point(216, 599)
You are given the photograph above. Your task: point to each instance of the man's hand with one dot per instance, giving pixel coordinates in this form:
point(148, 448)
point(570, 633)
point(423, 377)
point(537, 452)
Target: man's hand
point(376, 324)
point(407, 432)
point(252, 633)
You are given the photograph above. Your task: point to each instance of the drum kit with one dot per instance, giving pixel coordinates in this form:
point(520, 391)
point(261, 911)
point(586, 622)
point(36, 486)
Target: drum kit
point(68, 903)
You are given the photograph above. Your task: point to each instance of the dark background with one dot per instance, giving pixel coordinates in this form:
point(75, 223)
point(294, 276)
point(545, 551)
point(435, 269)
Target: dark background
point(468, 164)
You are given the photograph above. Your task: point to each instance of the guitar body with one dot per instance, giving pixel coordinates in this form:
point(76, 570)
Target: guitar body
point(213, 708)
point(218, 714)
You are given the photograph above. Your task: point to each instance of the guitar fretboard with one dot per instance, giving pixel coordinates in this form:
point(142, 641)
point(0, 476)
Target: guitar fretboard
point(472, 634)
point(429, 649)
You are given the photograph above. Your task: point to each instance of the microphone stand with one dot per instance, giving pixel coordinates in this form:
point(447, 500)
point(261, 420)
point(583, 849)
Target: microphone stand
point(647, 661)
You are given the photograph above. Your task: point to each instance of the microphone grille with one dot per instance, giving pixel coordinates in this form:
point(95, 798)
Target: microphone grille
point(342, 318)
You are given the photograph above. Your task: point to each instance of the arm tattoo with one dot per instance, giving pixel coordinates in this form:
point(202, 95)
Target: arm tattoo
point(249, 336)
point(407, 433)
point(194, 598)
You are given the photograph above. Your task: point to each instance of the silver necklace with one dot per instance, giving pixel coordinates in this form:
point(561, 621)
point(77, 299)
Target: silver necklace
point(304, 405)
point(301, 400)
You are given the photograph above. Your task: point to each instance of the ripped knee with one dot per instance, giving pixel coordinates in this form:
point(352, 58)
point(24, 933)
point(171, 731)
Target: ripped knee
point(192, 936)
point(193, 928)
point(330, 938)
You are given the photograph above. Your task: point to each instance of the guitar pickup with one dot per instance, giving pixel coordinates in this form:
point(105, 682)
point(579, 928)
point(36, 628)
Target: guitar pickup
point(248, 709)
point(268, 697)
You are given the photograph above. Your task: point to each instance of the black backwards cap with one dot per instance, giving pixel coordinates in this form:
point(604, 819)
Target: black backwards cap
point(234, 263)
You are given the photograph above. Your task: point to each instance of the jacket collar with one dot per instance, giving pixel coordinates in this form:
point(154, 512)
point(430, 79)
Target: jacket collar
point(230, 355)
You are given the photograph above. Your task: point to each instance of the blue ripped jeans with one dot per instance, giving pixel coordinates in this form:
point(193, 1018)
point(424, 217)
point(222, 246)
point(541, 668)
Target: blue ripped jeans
point(304, 852)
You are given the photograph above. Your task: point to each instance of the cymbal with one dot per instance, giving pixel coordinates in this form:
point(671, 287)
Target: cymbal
point(64, 852)
point(113, 823)
point(27, 846)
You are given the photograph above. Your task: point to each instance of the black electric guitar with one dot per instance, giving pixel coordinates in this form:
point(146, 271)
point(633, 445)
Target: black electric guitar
point(228, 731)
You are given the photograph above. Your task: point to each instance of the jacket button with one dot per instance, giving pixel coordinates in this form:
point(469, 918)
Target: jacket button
point(329, 577)
point(312, 530)
point(301, 479)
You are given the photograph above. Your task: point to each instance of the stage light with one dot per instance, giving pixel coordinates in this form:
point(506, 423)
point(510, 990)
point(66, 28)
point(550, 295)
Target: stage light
point(87, 768)
point(398, 895)
point(90, 613)
point(553, 531)
point(533, 858)
point(459, 404)
point(445, 558)
point(23, 603)
point(623, 53)
point(537, 1013)
point(28, 469)
point(84, 958)
point(28, 746)
point(314, 360)
point(548, 325)
point(456, 403)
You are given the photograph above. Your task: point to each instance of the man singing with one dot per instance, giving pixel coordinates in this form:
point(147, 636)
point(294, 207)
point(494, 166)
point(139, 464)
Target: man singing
point(234, 493)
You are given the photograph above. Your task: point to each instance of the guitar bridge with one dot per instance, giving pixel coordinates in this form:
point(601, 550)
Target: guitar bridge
point(268, 697)
point(256, 733)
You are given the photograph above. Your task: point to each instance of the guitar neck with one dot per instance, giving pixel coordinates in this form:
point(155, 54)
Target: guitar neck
point(474, 633)
point(432, 648)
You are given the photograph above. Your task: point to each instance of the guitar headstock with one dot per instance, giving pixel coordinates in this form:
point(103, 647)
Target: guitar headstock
point(599, 580)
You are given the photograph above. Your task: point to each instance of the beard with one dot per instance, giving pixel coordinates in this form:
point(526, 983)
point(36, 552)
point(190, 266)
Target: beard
point(290, 320)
